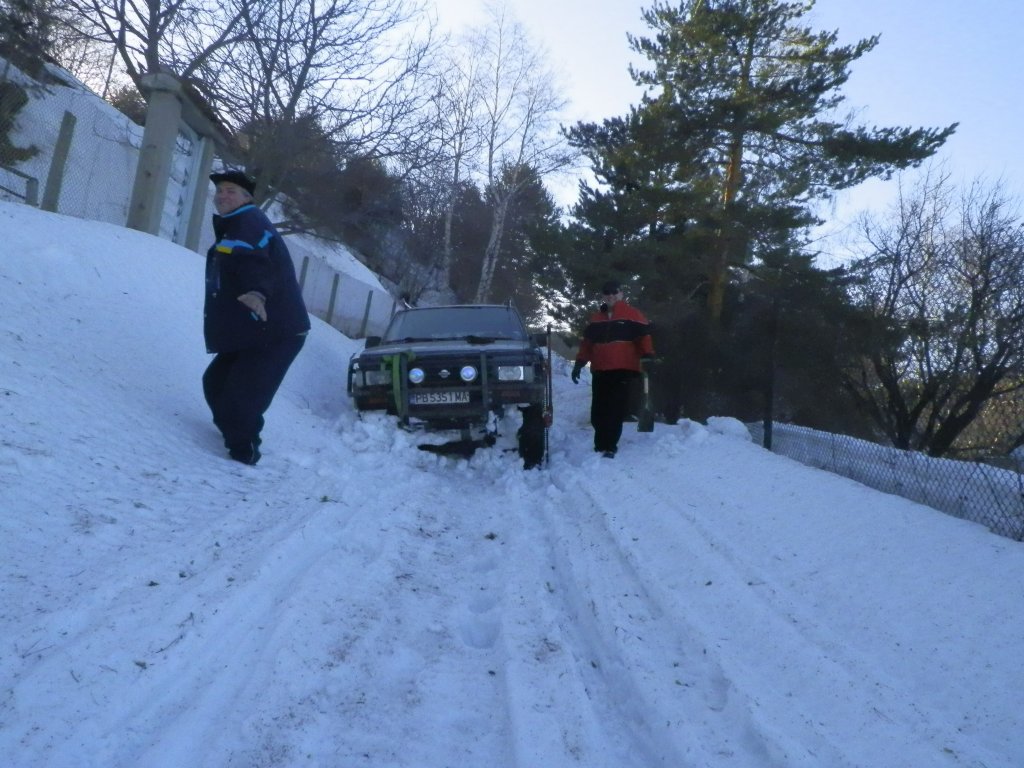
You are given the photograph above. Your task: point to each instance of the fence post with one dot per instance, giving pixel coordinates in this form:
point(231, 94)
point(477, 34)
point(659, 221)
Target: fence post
point(366, 314)
point(55, 176)
point(32, 191)
point(302, 273)
point(334, 295)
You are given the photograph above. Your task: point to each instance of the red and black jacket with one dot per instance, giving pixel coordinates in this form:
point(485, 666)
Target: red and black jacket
point(615, 339)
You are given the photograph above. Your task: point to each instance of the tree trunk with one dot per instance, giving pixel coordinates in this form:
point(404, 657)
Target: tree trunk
point(727, 234)
point(733, 182)
point(483, 292)
point(446, 247)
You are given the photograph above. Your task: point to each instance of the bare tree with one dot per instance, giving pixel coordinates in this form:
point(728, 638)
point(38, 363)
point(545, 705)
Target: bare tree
point(34, 31)
point(494, 128)
point(520, 108)
point(351, 67)
point(456, 105)
point(152, 36)
point(268, 70)
point(944, 293)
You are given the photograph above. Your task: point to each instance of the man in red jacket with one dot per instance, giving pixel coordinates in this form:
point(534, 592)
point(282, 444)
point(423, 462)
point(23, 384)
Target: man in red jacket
point(615, 341)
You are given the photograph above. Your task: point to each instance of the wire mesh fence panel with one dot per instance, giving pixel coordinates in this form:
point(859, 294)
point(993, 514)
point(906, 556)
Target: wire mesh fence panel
point(975, 491)
point(94, 180)
point(345, 302)
point(18, 187)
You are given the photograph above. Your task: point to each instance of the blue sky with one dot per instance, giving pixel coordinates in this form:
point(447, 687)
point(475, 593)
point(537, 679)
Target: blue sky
point(938, 62)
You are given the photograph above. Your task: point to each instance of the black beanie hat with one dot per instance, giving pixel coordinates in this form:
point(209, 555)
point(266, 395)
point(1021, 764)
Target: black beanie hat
point(235, 177)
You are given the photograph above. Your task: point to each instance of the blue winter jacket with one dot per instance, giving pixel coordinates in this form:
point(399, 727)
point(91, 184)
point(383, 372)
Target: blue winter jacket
point(249, 255)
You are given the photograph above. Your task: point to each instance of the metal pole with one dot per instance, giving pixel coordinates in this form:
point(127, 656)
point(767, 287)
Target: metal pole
point(549, 406)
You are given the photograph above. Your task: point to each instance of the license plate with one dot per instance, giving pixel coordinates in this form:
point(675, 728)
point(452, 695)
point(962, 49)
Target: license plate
point(449, 397)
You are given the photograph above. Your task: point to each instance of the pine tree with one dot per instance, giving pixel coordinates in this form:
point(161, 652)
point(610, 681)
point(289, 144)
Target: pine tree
point(13, 99)
point(735, 140)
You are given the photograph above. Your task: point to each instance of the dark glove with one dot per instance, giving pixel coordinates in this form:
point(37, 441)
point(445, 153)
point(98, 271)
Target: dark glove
point(576, 372)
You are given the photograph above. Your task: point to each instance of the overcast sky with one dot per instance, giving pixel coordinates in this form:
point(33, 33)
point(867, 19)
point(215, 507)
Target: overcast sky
point(938, 62)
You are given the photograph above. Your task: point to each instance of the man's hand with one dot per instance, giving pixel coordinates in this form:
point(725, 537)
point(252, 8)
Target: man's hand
point(256, 302)
point(576, 372)
point(646, 361)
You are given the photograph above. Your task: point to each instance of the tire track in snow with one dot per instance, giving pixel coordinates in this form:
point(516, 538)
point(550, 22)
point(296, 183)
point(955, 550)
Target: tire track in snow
point(721, 720)
point(808, 661)
point(221, 632)
point(421, 620)
point(239, 643)
point(641, 663)
point(548, 724)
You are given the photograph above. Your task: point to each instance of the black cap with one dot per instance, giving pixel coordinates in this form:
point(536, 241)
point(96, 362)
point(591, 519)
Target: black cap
point(235, 177)
point(610, 287)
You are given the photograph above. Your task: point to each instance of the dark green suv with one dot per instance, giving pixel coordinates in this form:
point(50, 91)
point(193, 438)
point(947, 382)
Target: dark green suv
point(459, 368)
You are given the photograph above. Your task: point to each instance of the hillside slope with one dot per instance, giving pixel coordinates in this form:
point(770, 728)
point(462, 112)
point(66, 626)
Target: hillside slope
point(352, 601)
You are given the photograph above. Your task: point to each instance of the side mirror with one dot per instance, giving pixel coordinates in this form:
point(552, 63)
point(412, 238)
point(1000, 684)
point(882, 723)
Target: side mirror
point(372, 341)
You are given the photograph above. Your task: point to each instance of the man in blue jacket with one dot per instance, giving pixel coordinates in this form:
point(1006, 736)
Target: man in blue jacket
point(254, 319)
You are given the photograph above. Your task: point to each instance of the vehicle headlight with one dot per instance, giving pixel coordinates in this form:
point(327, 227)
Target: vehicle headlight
point(375, 377)
point(416, 375)
point(467, 373)
point(515, 373)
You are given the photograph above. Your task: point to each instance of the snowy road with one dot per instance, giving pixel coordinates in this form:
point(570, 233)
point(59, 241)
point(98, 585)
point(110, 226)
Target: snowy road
point(353, 601)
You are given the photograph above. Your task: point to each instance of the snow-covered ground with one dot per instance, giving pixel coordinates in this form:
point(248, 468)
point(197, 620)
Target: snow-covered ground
point(353, 601)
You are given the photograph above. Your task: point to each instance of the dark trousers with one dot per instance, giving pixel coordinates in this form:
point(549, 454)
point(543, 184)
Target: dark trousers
point(610, 405)
point(239, 387)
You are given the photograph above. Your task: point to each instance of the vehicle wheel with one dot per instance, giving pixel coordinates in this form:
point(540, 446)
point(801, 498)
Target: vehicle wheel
point(531, 436)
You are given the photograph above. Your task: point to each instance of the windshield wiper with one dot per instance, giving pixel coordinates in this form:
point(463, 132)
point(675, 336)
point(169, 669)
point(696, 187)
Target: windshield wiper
point(474, 339)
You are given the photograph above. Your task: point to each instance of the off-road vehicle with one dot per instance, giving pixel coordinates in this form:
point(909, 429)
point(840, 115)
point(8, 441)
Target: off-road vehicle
point(459, 367)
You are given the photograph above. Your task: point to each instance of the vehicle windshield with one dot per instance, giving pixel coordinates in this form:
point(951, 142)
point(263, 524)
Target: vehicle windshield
point(474, 324)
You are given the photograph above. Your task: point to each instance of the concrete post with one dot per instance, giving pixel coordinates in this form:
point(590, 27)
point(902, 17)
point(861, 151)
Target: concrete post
point(334, 296)
point(154, 169)
point(200, 191)
point(55, 178)
point(366, 315)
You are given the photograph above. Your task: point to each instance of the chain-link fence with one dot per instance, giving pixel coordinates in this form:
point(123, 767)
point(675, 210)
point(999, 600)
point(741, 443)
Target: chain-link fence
point(991, 496)
point(15, 185)
point(86, 153)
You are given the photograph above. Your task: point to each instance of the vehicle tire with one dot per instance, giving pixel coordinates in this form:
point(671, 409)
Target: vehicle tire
point(531, 436)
